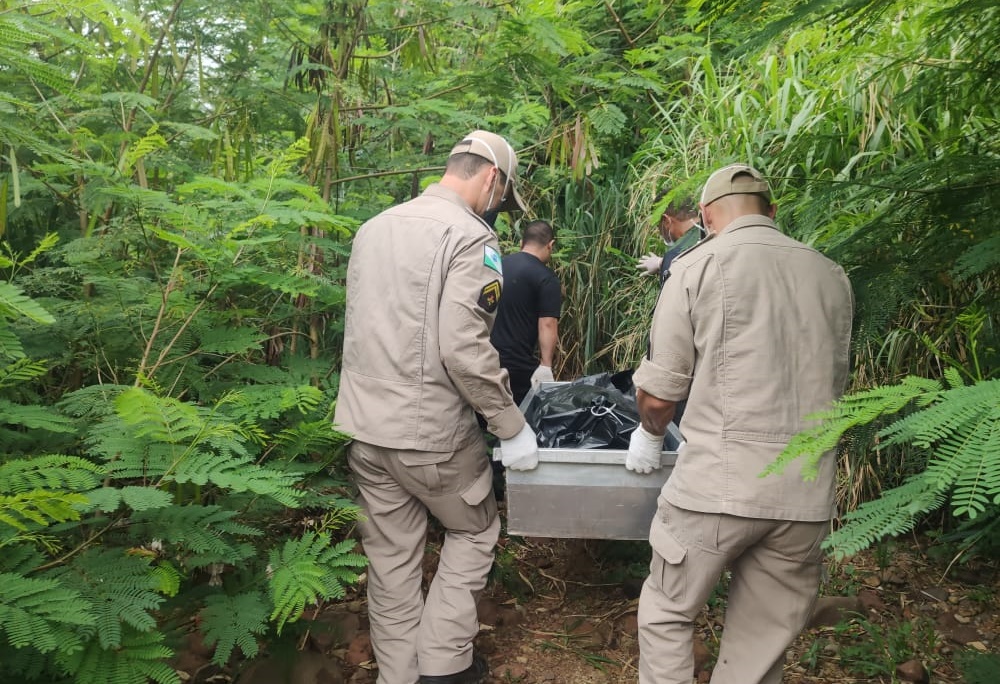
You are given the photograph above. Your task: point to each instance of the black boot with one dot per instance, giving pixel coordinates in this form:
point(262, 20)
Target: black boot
point(473, 674)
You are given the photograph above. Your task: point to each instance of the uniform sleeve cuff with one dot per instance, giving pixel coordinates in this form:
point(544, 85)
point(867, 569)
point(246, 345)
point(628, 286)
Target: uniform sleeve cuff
point(660, 382)
point(507, 423)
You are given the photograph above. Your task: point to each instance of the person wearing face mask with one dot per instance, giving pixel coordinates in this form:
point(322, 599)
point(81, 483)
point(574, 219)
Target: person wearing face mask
point(424, 282)
point(678, 226)
point(754, 329)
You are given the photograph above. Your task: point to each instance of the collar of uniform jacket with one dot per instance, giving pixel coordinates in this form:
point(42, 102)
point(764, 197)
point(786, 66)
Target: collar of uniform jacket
point(438, 190)
point(748, 220)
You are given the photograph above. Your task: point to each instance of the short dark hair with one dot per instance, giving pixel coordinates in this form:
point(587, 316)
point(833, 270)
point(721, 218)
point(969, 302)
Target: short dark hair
point(465, 165)
point(538, 233)
point(683, 208)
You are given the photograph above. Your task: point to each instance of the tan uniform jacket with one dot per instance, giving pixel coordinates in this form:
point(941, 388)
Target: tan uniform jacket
point(423, 283)
point(754, 329)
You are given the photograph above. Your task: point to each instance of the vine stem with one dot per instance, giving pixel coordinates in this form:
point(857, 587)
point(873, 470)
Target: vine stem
point(80, 547)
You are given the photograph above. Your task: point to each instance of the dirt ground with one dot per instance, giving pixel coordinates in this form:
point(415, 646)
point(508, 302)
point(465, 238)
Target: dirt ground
point(564, 612)
point(574, 618)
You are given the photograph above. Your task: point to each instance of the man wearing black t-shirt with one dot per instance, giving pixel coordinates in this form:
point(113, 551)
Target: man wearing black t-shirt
point(528, 315)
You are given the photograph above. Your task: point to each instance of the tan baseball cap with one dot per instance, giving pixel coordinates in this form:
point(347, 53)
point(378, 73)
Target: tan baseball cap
point(498, 151)
point(735, 179)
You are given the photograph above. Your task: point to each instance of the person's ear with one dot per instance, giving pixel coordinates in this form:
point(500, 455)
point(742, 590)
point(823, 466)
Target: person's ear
point(706, 218)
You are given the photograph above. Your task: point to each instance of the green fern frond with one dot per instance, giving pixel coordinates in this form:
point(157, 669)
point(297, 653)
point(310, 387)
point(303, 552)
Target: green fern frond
point(961, 434)
point(163, 419)
point(975, 457)
point(267, 402)
point(49, 472)
point(310, 436)
point(33, 610)
point(230, 621)
point(197, 535)
point(953, 411)
point(91, 403)
point(154, 423)
point(34, 416)
point(13, 33)
point(292, 284)
point(121, 590)
point(127, 456)
point(338, 511)
point(109, 499)
point(894, 513)
point(847, 413)
point(143, 147)
point(41, 507)
point(230, 340)
point(341, 555)
point(962, 431)
point(307, 570)
point(21, 370)
point(213, 187)
point(237, 475)
point(22, 61)
point(140, 658)
point(15, 304)
point(10, 344)
point(303, 398)
point(29, 665)
point(22, 559)
point(953, 377)
point(289, 157)
point(979, 258)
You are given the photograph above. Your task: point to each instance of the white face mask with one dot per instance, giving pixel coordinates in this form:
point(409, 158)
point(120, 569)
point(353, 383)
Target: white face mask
point(669, 241)
point(489, 203)
point(490, 209)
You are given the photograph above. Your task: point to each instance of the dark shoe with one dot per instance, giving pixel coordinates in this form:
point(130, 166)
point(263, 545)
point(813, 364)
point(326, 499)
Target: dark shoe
point(473, 674)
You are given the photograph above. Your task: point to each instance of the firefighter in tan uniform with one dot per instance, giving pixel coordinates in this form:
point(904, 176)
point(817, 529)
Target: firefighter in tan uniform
point(423, 284)
point(753, 328)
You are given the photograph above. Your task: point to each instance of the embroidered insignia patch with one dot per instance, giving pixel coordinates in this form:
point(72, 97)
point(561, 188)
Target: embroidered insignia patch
point(489, 296)
point(492, 259)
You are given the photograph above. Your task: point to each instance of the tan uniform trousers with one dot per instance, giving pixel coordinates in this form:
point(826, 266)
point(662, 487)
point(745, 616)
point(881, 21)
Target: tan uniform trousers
point(775, 566)
point(412, 636)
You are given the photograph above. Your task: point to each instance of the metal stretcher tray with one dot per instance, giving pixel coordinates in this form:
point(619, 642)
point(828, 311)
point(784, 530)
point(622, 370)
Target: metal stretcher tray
point(585, 493)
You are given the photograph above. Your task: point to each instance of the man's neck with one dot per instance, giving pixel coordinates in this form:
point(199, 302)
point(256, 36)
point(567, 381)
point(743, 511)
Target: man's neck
point(686, 226)
point(465, 189)
point(537, 252)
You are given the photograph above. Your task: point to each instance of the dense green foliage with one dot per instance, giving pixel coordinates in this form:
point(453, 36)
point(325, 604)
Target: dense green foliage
point(954, 430)
point(179, 183)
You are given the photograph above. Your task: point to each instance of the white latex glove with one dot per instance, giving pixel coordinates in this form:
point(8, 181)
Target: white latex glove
point(644, 451)
point(542, 374)
point(649, 264)
point(520, 452)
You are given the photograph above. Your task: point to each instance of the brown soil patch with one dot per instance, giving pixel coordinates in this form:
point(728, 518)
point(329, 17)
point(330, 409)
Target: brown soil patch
point(564, 612)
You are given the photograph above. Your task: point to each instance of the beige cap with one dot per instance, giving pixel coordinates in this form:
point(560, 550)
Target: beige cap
point(735, 179)
point(498, 151)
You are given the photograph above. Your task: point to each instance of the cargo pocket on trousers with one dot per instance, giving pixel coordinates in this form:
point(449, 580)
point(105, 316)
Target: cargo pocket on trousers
point(422, 466)
point(668, 567)
point(482, 505)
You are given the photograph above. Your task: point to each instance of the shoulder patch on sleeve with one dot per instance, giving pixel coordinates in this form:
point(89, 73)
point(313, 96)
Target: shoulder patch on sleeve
point(492, 259)
point(489, 296)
